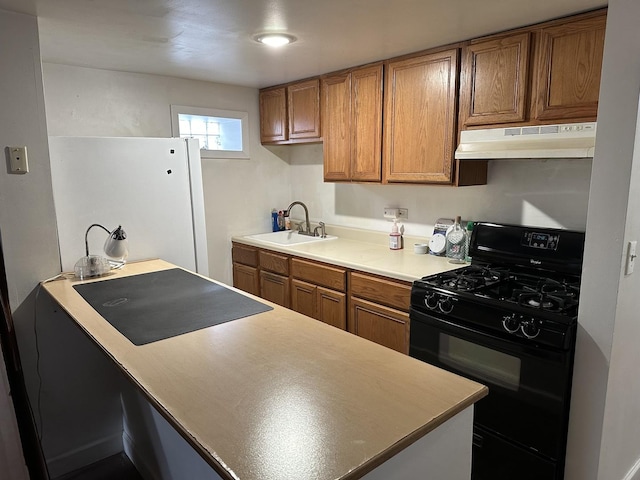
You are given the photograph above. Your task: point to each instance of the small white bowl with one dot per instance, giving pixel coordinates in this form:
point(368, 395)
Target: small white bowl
point(420, 248)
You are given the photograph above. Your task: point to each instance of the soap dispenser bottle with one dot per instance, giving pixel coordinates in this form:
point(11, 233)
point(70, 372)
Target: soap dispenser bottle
point(395, 238)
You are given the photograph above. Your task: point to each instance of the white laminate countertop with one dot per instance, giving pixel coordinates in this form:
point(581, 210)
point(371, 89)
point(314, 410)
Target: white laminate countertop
point(278, 395)
point(365, 251)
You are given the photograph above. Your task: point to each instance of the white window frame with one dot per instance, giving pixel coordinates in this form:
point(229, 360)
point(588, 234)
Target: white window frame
point(214, 112)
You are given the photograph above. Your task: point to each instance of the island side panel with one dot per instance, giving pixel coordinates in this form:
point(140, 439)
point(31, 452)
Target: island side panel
point(445, 453)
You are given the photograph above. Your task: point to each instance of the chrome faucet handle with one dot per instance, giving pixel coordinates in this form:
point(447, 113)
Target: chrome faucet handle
point(322, 234)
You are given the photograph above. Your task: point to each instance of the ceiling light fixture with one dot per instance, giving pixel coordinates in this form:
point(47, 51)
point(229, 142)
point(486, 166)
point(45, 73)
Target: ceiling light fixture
point(275, 39)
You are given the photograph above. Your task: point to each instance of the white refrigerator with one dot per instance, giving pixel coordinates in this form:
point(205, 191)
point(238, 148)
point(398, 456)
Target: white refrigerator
point(150, 186)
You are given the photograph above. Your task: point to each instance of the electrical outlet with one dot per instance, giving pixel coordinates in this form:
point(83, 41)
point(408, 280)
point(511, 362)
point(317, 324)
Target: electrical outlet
point(396, 213)
point(391, 213)
point(631, 257)
point(18, 159)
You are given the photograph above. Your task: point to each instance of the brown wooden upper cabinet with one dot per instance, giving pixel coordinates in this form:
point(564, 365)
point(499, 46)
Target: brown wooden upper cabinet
point(549, 73)
point(291, 113)
point(494, 80)
point(569, 64)
point(420, 118)
point(352, 125)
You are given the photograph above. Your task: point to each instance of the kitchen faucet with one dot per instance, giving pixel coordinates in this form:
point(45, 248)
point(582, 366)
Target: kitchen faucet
point(307, 230)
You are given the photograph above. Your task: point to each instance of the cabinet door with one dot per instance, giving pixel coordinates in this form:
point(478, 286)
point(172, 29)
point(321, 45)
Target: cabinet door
point(303, 103)
point(494, 80)
point(366, 124)
point(275, 288)
point(246, 278)
point(420, 118)
point(303, 298)
point(273, 115)
point(331, 307)
point(569, 64)
point(336, 127)
point(379, 324)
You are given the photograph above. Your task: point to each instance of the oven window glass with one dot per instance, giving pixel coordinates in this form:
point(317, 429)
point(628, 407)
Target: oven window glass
point(482, 362)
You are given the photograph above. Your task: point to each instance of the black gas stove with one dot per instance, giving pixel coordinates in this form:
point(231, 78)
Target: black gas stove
point(509, 321)
point(524, 289)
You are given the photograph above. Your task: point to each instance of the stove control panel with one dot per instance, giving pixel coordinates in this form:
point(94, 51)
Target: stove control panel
point(543, 241)
point(528, 326)
point(438, 302)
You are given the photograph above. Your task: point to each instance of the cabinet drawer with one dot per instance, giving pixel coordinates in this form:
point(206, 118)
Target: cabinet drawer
point(380, 290)
point(319, 274)
point(245, 255)
point(274, 262)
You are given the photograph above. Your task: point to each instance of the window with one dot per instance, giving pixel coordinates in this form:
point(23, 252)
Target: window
point(221, 133)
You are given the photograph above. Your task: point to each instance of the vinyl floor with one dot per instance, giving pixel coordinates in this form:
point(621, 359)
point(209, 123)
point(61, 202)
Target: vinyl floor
point(116, 467)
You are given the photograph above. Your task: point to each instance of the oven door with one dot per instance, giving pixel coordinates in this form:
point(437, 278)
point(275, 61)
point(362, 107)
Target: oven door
point(528, 386)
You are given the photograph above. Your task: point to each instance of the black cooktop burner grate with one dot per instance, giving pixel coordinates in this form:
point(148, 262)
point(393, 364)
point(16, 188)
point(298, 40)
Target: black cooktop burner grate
point(469, 278)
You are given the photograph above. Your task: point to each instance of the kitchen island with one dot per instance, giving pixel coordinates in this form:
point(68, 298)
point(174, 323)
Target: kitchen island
point(277, 395)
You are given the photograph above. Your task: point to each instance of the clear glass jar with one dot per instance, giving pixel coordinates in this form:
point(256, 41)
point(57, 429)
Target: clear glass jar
point(456, 242)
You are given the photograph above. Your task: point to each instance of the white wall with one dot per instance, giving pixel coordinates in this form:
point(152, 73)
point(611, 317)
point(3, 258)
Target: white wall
point(549, 193)
point(27, 226)
point(239, 194)
point(611, 320)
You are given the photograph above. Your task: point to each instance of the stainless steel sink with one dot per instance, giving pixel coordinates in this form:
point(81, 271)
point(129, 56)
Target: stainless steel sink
point(288, 237)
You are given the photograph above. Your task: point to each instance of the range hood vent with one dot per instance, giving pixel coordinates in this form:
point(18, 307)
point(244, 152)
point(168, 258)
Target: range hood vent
point(571, 140)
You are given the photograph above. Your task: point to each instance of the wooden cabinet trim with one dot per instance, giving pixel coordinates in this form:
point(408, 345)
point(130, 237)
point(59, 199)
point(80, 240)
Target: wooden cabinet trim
point(392, 293)
point(319, 274)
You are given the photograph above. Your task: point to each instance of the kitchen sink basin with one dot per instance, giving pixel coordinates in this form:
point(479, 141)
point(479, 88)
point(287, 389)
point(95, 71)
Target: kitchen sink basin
point(288, 237)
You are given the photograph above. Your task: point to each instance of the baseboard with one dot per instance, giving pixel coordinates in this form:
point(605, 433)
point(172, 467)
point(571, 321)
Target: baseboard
point(84, 455)
point(145, 469)
point(634, 473)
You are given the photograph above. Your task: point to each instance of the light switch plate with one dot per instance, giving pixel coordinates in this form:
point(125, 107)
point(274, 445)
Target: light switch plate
point(631, 257)
point(18, 160)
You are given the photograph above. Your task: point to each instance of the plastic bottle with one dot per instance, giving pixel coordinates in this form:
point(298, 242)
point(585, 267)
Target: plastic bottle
point(456, 241)
point(395, 238)
point(280, 220)
point(274, 220)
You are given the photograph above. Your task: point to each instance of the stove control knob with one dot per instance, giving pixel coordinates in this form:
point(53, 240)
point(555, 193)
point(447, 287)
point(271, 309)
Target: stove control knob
point(530, 328)
point(431, 301)
point(445, 305)
point(511, 323)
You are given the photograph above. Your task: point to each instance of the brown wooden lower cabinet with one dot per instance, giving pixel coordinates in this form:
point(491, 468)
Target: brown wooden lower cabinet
point(383, 325)
point(275, 288)
point(318, 290)
point(246, 278)
point(320, 303)
point(332, 307)
point(304, 298)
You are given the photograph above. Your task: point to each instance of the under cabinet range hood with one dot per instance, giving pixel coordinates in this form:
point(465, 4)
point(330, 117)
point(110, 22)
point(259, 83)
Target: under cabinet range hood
point(570, 140)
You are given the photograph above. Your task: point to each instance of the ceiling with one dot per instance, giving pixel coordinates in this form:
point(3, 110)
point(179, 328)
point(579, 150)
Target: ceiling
point(212, 40)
